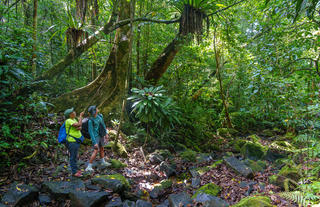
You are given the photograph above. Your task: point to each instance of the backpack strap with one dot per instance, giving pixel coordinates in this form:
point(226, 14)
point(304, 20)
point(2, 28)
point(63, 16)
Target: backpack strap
point(68, 132)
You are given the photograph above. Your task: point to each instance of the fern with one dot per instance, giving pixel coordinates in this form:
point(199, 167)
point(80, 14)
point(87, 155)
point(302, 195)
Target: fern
point(295, 196)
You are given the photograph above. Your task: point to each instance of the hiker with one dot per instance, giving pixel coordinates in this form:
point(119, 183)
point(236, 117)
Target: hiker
point(74, 138)
point(98, 131)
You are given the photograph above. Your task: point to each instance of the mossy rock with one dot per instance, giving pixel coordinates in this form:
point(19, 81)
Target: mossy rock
point(119, 148)
point(237, 144)
point(290, 171)
point(254, 138)
point(254, 201)
point(284, 183)
point(256, 166)
point(117, 164)
point(164, 184)
point(121, 178)
point(189, 155)
point(215, 164)
point(210, 189)
point(253, 151)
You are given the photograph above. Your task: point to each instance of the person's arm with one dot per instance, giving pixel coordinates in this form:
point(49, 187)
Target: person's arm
point(79, 124)
point(90, 129)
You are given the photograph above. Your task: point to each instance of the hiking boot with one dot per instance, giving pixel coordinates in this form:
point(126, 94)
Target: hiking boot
point(89, 168)
point(103, 162)
point(78, 174)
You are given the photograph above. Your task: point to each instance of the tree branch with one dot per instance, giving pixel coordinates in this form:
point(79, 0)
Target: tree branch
point(83, 46)
point(223, 9)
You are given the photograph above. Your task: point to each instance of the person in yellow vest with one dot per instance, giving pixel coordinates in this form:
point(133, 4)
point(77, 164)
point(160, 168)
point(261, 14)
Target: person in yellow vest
point(74, 138)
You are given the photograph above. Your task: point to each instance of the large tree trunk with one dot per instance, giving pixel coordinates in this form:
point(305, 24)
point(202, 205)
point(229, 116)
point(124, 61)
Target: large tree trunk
point(162, 63)
point(107, 89)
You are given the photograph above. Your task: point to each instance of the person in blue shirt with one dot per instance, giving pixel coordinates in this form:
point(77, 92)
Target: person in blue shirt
point(97, 130)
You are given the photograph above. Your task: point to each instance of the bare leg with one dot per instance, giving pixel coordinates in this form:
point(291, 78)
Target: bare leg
point(101, 152)
point(93, 156)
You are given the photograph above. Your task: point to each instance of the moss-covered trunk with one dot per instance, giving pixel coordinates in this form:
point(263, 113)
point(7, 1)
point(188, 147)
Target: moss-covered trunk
point(106, 90)
point(160, 66)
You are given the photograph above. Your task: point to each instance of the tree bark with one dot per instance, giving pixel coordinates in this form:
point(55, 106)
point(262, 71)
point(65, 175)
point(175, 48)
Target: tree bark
point(34, 37)
point(107, 89)
point(162, 63)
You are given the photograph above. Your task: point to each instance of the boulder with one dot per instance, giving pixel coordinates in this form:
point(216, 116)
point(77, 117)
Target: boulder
point(179, 200)
point(237, 144)
point(91, 187)
point(128, 203)
point(284, 183)
point(167, 169)
point(158, 190)
point(204, 157)
point(88, 199)
point(20, 194)
point(253, 151)
point(142, 203)
point(165, 184)
point(194, 173)
point(44, 199)
point(209, 200)
point(195, 182)
point(60, 190)
point(164, 204)
point(189, 155)
point(273, 155)
point(115, 202)
point(117, 182)
point(256, 166)
point(117, 164)
point(209, 189)
point(155, 158)
point(239, 167)
point(245, 184)
point(254, 201)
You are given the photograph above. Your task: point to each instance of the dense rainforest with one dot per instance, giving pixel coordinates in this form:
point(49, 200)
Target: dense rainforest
point(205, 103)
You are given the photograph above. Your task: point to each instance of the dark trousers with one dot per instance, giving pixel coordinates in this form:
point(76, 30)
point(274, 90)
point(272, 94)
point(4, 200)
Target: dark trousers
point(73, 148)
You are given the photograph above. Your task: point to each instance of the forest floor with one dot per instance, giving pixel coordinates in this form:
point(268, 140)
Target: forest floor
point(143, 176)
